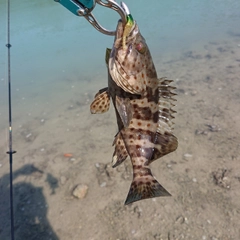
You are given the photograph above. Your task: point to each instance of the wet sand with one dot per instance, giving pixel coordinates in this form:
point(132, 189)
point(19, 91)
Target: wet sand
point(203, 175)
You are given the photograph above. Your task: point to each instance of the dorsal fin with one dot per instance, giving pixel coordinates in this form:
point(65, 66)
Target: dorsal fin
point(165, 104)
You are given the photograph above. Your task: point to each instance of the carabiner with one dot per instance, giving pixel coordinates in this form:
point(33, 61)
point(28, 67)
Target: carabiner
point(85, 7)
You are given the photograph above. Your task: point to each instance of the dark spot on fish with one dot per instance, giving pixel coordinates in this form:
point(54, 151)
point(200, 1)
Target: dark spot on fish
point(135, 105)
point(139, 124)
point(137, 167)
point(146, 111)
point(155, 117)
point(134, 185)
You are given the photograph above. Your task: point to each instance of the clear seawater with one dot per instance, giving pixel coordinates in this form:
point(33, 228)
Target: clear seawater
point(50, 44)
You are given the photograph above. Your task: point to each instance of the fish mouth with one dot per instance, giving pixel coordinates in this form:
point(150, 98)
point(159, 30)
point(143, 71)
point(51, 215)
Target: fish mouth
point(125, 33)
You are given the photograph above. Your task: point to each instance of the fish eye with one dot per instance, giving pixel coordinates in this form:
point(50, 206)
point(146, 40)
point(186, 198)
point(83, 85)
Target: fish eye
point(141, 47)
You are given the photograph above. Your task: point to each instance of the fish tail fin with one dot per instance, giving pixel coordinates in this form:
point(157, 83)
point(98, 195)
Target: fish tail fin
point(143, 187)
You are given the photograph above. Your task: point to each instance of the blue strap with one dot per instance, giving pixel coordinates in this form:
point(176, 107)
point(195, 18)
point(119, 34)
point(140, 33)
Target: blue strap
point(75, 5)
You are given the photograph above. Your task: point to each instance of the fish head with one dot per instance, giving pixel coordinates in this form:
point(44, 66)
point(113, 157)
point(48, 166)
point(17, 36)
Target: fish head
point(130, 63)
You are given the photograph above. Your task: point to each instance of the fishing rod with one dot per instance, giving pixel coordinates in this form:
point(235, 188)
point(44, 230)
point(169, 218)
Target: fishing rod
point(10, 152)
point(80, 8)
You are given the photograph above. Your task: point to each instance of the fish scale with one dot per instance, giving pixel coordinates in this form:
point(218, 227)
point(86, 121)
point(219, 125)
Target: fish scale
point(143, 106)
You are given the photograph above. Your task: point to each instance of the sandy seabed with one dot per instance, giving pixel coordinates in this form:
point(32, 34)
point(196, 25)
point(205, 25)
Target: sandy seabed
point(203, 175)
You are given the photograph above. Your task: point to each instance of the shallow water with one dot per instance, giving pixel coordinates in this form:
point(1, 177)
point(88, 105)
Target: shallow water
point(57, 65)
point(49, 44)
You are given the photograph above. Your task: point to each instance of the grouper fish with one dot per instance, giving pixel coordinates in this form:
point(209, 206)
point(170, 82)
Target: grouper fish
point(143, 104)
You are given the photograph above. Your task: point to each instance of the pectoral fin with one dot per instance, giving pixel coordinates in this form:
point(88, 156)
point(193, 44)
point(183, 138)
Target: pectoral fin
point(101, 102)
point(124, 109)
point(107, 55)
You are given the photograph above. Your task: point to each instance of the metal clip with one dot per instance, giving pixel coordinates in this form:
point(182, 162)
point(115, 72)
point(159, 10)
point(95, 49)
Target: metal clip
point(85, 7)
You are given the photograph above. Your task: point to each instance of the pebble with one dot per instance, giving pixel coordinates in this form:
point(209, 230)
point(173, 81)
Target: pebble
point(193, 92)
point(187, 156)
point(28, 135)
point(80, 191)
point(194, 180)
point(103, 184)
point(186, 220)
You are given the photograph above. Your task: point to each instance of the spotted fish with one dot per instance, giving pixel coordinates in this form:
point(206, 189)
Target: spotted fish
point(143, 105)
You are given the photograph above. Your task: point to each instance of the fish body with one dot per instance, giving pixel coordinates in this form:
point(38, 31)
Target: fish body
point(143, 105)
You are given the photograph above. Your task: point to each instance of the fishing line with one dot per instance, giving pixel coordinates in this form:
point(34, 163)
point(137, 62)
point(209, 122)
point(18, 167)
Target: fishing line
point(10, 152)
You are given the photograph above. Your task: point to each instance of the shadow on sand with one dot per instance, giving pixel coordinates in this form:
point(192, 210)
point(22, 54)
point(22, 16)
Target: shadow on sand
point(30, 207)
